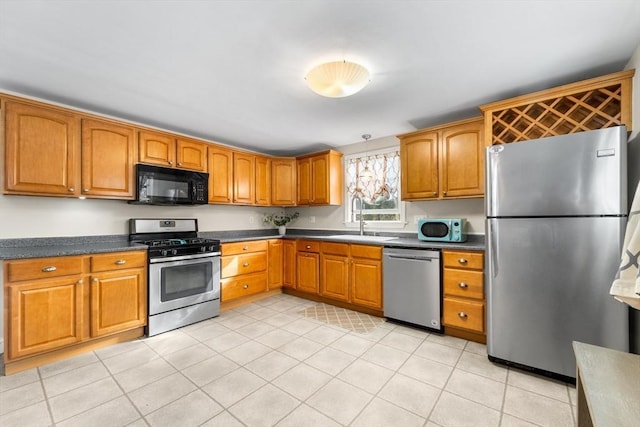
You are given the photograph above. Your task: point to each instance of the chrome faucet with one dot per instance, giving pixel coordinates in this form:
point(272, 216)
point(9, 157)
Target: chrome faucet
point(357, 196)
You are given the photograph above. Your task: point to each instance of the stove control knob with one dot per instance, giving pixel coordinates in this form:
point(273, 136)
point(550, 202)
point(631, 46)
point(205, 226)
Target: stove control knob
point(203, 248)
point(212, 248)
point(164, 252)
point(174, 252)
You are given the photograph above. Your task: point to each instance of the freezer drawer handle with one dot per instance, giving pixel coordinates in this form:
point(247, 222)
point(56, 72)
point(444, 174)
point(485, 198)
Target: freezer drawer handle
point(49, 269)
point(463, 285)
point(462, 315)
point(462, 260)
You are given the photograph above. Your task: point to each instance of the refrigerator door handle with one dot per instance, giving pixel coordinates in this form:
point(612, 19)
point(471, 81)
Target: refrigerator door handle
point(492, 249)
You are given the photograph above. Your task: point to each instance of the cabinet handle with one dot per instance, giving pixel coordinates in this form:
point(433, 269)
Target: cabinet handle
point(444, 193)
point(462, 315)
point(245, 286)
point(435, 193)
point(462, 260)
point(85, 190)
point(96, 280)
point(308, 247)
point(71, 189)
point(245, 248)
point(179, 164)
point(246, 264)
point(121, 262)
point(170, 162)
point(463, 285)
point(49, 269)
point(79, 282)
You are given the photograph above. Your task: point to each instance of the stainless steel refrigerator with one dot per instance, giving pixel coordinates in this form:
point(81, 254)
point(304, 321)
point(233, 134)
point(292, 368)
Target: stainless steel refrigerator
point(556, 211)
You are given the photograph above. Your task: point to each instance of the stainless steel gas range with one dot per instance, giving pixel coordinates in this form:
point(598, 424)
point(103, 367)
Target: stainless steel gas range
point(184, 272)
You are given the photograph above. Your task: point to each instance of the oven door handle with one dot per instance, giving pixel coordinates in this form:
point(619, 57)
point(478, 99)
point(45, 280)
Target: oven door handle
point(184, 257)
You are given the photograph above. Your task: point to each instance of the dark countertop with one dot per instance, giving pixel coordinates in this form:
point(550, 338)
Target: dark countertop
point(82, 245)
point(61, 246)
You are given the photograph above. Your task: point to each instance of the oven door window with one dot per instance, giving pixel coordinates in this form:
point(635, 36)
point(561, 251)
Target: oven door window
point(182, 281)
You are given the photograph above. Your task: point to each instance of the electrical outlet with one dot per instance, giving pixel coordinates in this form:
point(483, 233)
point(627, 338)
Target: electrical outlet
point(417, 218)
point(312, 219)
point(252, 219)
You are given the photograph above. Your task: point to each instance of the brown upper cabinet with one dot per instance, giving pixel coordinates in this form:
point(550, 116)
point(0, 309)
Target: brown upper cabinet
point(169, 151)
point(220, 174)
point(50, 151)
point(244, 178)
point(263, 181)
point(283, 182)
point(320, 179)
point(443, 162)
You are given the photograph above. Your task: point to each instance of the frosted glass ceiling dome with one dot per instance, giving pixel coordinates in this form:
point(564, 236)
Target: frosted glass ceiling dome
point(337, 79)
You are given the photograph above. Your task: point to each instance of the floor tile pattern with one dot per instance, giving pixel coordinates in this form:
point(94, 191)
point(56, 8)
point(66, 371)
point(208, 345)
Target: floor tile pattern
point(265, 364)
point(343, 318)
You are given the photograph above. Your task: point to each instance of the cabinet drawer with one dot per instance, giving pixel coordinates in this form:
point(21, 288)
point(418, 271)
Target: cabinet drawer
point(237, 287)
point(42, 268)
point(366, 251)
point(243, 247)
point(118, 261)
point(463, 283)
point(243, 264)
point(466, 260)
point(308, 245)
point(464, 314)
point(333, 248)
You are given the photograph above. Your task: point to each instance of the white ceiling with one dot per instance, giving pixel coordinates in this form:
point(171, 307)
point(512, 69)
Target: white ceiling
point(233, 71)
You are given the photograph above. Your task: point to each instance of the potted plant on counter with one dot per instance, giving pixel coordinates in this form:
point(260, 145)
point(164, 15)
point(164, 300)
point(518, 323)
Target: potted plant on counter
point(280, 220)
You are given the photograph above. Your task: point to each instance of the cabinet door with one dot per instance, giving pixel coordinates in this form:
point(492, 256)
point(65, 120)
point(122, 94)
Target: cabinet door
point(108, 157)
point(118, 301)
point(275, 255)
point(45, 315)
point(283, 182)
point(334, 282)
point(191, 155)
point(157, 148)
point(320, 180)
point(220, 175)
point(308, 266)
point(462, 160)
point(419, 166)
point(289, 263)
point(263, 181)
point(42, 150)
point(304, 181)
point(366, 282)
point(243, 178)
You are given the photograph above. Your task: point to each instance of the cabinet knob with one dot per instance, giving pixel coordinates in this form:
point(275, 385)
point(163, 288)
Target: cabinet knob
point(463, 285)
point(85, 190)
point(49, 269)
point(71, 189)
point(308, 246)
point(444, 192)
point(170, 162)
point(179, 164)
point(245, 286)
point(96, 280)
point(121, 262)
point(79, 282)
point(245, 248)
point(462, 260)
point(246, 264)
point(462, 315)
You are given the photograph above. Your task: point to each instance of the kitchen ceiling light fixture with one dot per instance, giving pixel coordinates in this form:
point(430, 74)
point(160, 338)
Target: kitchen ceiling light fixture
point(366, 173)
point(337, 79)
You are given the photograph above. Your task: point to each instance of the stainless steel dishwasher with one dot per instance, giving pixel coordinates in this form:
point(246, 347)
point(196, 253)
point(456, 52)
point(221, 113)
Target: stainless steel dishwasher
point(411, 284)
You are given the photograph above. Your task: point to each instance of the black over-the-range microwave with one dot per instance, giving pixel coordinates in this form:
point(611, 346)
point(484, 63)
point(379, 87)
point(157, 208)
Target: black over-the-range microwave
point(156, 185)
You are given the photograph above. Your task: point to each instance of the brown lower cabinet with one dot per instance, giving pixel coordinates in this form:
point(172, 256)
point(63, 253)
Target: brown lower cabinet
point(464, 299)
point(243, 269)
point(58, 306)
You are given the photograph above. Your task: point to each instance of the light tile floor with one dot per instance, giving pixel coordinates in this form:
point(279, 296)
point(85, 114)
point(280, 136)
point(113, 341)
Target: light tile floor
point(264, 364)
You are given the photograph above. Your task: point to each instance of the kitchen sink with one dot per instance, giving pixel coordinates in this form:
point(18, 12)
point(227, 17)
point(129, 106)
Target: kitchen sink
point(361, 238)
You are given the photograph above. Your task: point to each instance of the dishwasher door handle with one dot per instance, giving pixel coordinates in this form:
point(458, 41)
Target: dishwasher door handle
point(410, 258)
